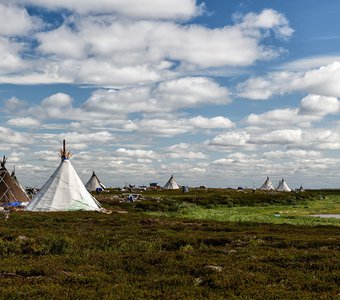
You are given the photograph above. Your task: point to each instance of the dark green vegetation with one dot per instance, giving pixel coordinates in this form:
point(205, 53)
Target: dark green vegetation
point(212, 197)
point(209, 198)
point(131, 254)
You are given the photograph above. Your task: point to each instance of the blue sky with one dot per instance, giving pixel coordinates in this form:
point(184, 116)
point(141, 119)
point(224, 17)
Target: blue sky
point(220, 93)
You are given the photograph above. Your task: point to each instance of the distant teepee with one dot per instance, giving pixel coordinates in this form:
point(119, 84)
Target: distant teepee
point(10, 191)
point(301, 189)
point(64, 191)
point(94, 183)
point(267, 186)
point(171, 184)
point(283, 187)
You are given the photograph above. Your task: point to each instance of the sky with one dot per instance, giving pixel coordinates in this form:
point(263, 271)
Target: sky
point(218, 93)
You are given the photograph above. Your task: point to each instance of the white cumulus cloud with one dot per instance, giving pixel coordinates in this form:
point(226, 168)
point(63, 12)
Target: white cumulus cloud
point(312, 108)
point(15, 20)
point(116, 51)
point(149, 9)
point(12, 137)
point(323, 81)
point(24, 122)
point(168, 96)
point(137, 153)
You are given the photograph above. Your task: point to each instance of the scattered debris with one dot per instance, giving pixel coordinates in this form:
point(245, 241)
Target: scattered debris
point(106, 211)
point(122, 212)
point(133, 197)
point(197, 281)
point(5, 214)
point(215, 268)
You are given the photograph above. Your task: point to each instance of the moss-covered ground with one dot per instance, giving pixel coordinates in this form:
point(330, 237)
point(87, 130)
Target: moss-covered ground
point(159, 249)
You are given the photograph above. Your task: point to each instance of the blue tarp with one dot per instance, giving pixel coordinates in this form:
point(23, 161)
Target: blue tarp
point(12, 204)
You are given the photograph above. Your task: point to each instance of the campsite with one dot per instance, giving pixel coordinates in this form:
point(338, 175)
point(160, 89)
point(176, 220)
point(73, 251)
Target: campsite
point(166, 242)
point(202, 156)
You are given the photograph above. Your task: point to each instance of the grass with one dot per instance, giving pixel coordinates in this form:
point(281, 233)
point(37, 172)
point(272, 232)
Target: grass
point(135, 255)
point(244, 206)
point(297, 214)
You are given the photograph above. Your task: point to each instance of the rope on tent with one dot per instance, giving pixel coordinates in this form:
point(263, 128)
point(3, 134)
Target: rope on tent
point(8, 189)
point(8, 194)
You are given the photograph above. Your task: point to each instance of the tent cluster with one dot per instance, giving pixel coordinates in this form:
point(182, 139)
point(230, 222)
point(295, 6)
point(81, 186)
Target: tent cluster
point(64, 190)
point(282, 186)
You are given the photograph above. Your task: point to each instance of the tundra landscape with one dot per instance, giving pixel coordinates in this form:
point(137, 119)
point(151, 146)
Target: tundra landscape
point(205, 244)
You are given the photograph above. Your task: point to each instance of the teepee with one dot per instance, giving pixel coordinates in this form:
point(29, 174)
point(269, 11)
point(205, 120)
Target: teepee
point(64, 191)
point(94, 183)
point(267, 186)
point(10, 191)
point(171, 184)
point(301, 189)
point(16, 179)
point(283, 187)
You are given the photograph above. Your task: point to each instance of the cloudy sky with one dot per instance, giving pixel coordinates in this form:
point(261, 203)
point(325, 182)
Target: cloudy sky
point(220, 93)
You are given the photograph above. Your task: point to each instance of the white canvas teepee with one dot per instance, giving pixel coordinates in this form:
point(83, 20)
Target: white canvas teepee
point(64, 191)
point(267, 186)
point(94, 183)
point(283, 187)
point(171, 184)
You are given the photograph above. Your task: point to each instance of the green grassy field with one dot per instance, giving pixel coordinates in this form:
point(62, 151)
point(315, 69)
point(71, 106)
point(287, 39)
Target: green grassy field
point(246, 206)
point(297, 214)
point(130, 254)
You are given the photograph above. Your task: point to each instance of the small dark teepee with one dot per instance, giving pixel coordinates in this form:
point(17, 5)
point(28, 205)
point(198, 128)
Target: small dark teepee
point(10, 191)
